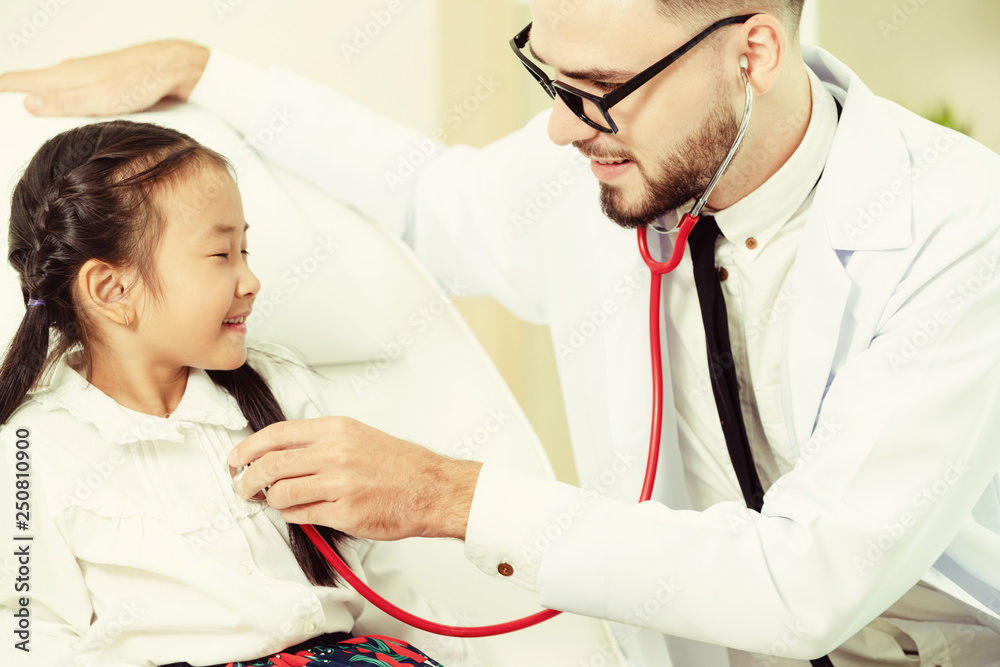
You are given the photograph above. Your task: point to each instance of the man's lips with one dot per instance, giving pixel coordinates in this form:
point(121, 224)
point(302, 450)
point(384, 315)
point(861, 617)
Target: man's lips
point(608, 169)
point(606, 159)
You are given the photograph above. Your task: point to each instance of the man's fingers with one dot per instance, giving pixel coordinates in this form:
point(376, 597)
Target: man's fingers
point(125, 81)
point(95, 99)
point(67, 74)
point(284, 464)
point(319, 513)
point(269, 438)
point(26, 81)
point(72, 72)
point(281, 435)
point(79, 102)
point(293, 491)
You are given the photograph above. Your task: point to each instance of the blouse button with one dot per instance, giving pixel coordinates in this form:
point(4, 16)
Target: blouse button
point(751, 243)
point(309, 627)
point(246, 569)
point(506, 569)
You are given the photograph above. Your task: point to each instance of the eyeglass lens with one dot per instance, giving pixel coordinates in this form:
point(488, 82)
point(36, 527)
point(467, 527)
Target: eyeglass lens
point(582, 107)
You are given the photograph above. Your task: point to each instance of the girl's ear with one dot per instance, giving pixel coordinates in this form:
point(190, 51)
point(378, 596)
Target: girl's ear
point(101, 289)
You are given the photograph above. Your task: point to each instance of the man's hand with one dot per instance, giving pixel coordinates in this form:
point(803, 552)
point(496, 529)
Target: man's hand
point(338, 472)
point(126, 81)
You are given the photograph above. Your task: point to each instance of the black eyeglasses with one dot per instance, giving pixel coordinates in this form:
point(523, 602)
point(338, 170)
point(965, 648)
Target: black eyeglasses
point(595, 110)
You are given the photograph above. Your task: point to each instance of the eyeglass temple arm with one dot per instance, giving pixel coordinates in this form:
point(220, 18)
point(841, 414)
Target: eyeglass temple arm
point(617, 95)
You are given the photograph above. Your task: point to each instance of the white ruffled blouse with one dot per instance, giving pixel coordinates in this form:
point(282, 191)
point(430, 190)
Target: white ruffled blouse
point(143, 553)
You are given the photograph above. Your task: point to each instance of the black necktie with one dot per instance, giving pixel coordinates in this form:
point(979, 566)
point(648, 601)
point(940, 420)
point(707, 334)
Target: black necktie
point(722, 366)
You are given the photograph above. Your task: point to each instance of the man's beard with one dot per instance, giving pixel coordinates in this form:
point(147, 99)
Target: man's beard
point(682, 174)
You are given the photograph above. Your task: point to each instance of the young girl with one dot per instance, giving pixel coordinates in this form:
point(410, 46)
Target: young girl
point(131, 247)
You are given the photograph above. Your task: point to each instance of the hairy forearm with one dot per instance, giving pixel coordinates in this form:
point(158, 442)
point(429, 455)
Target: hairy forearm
point(456, 482)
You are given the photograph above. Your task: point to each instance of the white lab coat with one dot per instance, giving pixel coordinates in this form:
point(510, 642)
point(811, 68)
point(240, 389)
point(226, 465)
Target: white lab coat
point(891, 370)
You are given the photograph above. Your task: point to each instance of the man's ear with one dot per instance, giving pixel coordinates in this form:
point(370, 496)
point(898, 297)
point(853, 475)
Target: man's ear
point(764, 44)
point(102, 290)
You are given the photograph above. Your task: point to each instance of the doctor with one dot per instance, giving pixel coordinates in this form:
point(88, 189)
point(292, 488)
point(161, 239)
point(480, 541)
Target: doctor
point(858, 257)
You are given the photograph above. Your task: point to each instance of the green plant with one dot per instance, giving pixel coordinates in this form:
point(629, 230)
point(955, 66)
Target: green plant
point(945, 115)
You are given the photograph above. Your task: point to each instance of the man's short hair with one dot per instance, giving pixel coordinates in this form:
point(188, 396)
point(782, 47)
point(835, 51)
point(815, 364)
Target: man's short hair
point(704, 12)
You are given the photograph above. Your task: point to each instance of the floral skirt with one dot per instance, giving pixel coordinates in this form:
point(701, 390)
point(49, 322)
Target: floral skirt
point(337, 650)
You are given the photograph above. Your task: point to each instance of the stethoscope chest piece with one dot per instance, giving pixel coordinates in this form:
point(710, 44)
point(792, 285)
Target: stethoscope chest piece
point(236, 474)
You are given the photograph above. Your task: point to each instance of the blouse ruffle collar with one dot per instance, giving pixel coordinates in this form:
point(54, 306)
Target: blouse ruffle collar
point(204, 402)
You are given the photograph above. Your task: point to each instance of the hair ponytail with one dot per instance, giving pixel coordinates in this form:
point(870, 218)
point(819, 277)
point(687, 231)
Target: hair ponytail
point(24, 361)
point(261, 409)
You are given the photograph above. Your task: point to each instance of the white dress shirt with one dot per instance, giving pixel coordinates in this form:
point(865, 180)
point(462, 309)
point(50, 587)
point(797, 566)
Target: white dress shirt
point(142, 552)
point(760, 235)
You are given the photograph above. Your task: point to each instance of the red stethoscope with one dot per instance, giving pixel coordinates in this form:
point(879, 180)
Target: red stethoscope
point(658, 269)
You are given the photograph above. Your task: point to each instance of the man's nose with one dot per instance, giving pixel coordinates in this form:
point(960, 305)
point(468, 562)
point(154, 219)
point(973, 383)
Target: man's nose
point(565, 127)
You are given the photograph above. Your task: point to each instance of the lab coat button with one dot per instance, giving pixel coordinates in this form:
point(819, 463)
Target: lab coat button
point(506, 569)
point(723, 274)
point(751, 243)
point(309, 627)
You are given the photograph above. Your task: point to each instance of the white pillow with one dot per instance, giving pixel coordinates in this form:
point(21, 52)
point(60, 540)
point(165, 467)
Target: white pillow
point(327, 273)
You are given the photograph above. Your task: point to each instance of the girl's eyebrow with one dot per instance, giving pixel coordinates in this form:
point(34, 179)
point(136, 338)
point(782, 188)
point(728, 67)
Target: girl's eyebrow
point(224, 230)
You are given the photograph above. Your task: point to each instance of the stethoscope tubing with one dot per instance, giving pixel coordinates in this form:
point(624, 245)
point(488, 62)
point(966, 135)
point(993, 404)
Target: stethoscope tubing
point(658, 269)
point(411, 619)
point(691, 218)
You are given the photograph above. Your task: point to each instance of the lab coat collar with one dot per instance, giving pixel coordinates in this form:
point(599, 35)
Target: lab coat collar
point(203, 402)
point(868, 201)
point(863, 202)
point(763, 212)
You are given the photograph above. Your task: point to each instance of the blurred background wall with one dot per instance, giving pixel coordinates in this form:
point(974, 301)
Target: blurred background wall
point(924, 54)
point(421, 62)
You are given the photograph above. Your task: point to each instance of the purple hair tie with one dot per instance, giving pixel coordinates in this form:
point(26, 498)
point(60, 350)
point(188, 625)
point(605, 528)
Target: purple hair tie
point(33, 302)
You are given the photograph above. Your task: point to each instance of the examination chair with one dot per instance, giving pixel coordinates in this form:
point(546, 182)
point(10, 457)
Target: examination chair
point(339, 290)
